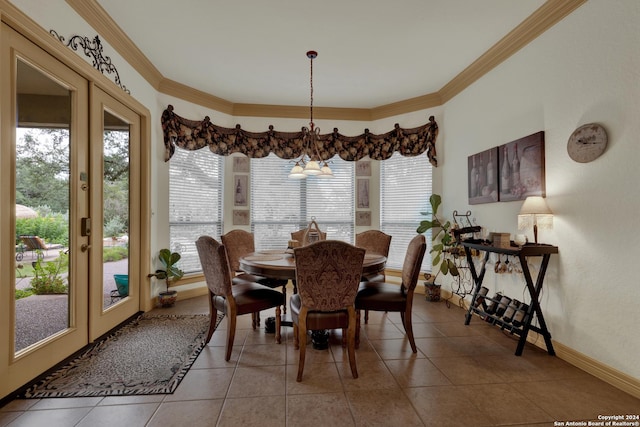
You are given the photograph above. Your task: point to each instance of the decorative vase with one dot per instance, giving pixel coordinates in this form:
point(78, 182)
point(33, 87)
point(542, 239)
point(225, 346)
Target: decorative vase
point(167, 299)
point(433, 292)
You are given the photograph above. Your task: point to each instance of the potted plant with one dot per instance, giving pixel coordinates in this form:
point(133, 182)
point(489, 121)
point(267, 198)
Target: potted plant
point(442, 251)
point(170, 274)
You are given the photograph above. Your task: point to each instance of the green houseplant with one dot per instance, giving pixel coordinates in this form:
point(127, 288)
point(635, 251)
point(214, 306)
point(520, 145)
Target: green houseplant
point(170, 274)
point(443, 250)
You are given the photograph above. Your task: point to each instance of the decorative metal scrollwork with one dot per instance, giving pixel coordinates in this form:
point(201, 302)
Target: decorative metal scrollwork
point(93, 48)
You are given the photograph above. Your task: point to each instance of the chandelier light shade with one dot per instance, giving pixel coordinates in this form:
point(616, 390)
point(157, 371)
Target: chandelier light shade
point(314, 166)
point(536, 213)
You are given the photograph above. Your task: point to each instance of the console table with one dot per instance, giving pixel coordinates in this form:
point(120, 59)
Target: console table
point(522, 253)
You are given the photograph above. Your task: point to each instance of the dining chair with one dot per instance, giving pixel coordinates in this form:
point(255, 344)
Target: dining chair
point(232, 300)
point(240, 243)
point(377, 242)
point(328, 275)
point(382, 296)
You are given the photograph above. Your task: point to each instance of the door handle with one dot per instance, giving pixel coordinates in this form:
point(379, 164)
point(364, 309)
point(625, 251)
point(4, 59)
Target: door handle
point(85, 247)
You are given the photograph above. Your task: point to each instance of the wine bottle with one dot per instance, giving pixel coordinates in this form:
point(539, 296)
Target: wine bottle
point(505, 174)
point(473, 179)
point(490, 177)
point(515, 168)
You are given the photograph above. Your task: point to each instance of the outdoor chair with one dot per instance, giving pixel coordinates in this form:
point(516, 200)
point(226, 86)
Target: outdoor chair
point(232, 300)
point(35, 245)
point(381, 296)
point(328, 275)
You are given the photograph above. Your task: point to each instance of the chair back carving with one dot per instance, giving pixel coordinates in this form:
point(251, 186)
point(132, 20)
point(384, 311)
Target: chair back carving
point(215, 265)
point(328, 274)
point(238, 243)
point(374, 241)
point(413, 262)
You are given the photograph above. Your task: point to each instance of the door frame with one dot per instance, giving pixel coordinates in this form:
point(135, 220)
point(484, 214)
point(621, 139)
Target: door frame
point(39, 37)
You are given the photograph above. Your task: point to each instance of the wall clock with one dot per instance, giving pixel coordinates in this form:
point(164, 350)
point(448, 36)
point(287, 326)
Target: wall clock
point(587, 143)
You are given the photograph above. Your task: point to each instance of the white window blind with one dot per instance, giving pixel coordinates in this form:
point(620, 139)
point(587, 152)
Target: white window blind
point(405, 188)
point(195, 202)
point(280, 205)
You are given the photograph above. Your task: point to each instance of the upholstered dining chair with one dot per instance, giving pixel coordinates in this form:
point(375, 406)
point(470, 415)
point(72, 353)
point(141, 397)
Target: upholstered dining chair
point(381, 296)
point(377, 242)
point(328, 275)
point(232, 300)
point(240, 243)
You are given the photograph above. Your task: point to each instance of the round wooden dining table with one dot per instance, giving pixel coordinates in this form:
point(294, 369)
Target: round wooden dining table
point(281, 264)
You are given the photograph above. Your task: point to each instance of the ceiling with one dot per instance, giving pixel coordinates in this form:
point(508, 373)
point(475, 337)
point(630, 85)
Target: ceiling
point(369, 53)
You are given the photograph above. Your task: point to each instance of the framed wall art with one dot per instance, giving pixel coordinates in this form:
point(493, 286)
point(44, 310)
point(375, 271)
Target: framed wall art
point(482, 176)
point(241, 164)
point(240, 217)
point(363, 193)
point(522, 170)
point(363, 218)
point(240, 190)
point(363, 168)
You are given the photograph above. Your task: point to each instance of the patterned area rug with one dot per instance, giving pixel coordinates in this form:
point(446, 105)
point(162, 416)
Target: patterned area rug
point(149, 355)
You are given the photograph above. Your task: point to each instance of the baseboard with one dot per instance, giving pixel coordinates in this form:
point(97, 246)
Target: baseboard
point(606, 373)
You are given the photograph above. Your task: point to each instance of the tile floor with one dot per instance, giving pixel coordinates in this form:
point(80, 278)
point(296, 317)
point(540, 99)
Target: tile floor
point(461, 376)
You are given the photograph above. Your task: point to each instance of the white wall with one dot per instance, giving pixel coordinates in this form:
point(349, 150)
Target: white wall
point(584, 69)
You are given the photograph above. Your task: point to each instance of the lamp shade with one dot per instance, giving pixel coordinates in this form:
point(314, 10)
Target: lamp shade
point(535, 213)
point(535, 205)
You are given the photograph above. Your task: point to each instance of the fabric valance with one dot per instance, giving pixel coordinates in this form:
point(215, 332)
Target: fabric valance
point(194, 135)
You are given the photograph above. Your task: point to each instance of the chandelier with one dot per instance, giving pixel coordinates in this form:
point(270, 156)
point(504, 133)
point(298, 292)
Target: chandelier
point(311, 136)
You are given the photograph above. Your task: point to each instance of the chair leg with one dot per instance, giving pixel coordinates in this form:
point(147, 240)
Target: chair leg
point(284, 292)
point(302, 339)
point(213, 315)
point(366, 317)
point(231, 334)
point(408, 328)
point(296, 343)
point(278, 323)
point(357, 338)
point(351, 342)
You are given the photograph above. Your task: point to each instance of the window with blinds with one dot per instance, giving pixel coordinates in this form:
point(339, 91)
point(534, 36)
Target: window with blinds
point(195, 202)
point(280, 205)
point(405, 188)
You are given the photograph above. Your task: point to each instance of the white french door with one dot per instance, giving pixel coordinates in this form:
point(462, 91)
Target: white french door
point(72, 153)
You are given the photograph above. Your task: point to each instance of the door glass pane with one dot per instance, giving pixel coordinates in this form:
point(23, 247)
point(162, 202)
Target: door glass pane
point(42, 206)
point(115, 195)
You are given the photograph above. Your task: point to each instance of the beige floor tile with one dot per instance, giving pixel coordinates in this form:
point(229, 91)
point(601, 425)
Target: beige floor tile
point(317, 378)
point(443, 406)
point(69, 402)
point(203, 384)
point(311, 354)
point(366, 353)
point(465, 370)
point(504, 404)
point(426, 330)
point(579, 399)
point(371, 376)
point(416, 373)
point(395, 349)
point(381, 331)
point(382, 408)
point(439, 347)
point(254, 411)
point(263, 355)
point(213, 357)
point(7, 416)
point(19, 405)
point(119, 415)
point(128, 400)
point(327, 409)
point(51, 417)
point(190, 413)
point(253, 381)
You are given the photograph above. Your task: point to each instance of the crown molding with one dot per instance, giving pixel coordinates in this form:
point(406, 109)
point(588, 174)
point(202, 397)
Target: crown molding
point(547, 15)
point(100, 20)
point(537, 23)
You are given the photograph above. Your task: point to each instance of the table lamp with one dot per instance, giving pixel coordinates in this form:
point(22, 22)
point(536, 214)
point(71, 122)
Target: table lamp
point(535, 212)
